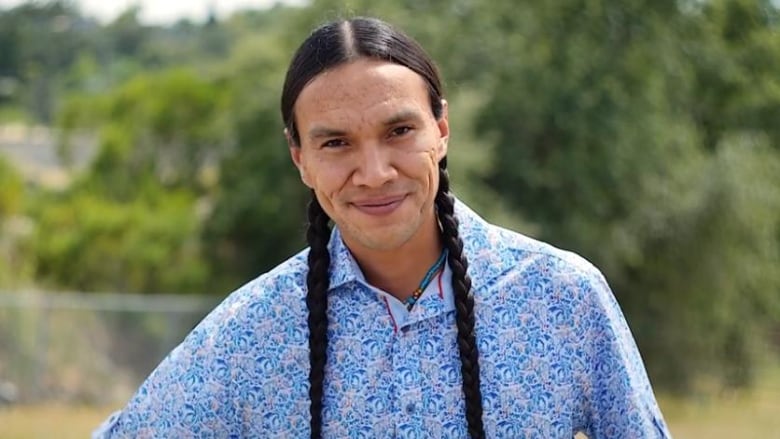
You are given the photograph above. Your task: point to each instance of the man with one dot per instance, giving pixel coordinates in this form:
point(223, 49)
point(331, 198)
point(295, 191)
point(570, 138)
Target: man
point(412, 317)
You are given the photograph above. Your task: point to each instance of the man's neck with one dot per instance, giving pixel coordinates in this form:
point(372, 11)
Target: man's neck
point(399, 271)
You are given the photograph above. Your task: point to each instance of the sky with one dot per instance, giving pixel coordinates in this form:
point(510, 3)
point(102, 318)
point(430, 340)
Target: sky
point(162, 11)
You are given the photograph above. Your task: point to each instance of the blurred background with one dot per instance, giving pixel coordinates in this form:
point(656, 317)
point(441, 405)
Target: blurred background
point(144, 176)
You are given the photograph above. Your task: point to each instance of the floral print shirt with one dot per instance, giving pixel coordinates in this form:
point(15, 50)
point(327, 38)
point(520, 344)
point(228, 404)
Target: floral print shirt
point(555, 353)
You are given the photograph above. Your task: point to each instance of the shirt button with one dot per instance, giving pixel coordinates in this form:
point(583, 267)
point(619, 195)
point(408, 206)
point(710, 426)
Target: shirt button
point(410, 408)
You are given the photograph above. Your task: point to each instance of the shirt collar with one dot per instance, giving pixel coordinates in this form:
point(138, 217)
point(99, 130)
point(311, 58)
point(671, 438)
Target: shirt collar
point(343, 266)
point(472, 228)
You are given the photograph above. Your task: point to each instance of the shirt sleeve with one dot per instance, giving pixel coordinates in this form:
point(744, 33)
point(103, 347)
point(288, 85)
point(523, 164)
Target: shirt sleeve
point(617, 398)
point(187, 395)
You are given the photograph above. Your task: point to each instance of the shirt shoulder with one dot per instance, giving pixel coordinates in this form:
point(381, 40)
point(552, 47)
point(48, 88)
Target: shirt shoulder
point(279, 290)
point(199, 387)
point(266, 312)
point(567, 301)
point(284, 283)
point(496, 252)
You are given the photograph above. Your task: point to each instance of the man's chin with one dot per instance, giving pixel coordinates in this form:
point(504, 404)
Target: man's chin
point(382, 240)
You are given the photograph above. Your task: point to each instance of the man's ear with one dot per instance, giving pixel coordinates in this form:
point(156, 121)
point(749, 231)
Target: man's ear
point(444, 131)
point(296, 156)
point(288, 137)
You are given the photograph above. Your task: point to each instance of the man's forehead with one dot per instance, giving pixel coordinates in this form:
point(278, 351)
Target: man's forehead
point(356, 97)
point(362, 86)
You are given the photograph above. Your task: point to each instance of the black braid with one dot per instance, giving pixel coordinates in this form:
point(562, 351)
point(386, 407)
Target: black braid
point(317, 281)
point(464, 304)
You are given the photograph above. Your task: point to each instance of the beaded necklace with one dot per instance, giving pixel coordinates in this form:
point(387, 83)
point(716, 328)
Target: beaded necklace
point(409, 302)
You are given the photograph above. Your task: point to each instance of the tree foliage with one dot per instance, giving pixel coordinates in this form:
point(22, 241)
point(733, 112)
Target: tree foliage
point(613, 153)
point(10, 190)
point(14, 257)
point(258, 214)
point(78, 236)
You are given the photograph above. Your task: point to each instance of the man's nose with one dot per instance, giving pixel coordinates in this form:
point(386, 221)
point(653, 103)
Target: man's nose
point(374, 167)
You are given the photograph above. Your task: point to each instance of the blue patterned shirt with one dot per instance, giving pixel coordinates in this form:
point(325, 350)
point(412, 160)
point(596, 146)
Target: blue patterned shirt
point(555, 353)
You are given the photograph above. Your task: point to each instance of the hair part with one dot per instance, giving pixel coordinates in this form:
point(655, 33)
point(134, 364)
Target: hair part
point(327, 47)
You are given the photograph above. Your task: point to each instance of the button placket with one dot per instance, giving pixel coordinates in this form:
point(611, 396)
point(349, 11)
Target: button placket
point(410, 381)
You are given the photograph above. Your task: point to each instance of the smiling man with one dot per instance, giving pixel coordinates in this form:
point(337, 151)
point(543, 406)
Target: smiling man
point(370, 149)
point(410, 316)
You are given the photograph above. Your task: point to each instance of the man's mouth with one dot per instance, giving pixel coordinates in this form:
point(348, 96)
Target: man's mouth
point(379, 206)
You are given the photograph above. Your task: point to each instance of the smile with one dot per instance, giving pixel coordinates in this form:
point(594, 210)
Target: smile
point(379, 206)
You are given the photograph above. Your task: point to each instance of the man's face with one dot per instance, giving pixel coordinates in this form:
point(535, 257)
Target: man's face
point(370, 148)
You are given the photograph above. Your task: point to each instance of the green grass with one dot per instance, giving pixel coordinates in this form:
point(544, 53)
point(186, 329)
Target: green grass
point(50, 421)
point(754, 414)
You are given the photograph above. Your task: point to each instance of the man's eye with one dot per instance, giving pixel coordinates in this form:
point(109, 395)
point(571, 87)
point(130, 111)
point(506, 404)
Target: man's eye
point(334, 143)
point(400, 131)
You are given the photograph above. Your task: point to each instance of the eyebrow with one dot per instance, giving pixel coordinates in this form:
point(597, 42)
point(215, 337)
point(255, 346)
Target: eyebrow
point(402, 116)
point(321, 132)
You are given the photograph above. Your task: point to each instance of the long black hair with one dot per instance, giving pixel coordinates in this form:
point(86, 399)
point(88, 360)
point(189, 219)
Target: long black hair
point(328, 46)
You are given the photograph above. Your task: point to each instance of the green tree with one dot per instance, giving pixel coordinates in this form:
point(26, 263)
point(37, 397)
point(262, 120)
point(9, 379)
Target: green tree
point(10, 190)
point(707, 278)
point(126, 34)
point(14, 258)
point(733, 47)
point(132, 220)
point(41, 40)
point(603, 142)
point(258, 218)
point(165, 126)
point(87, 242)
